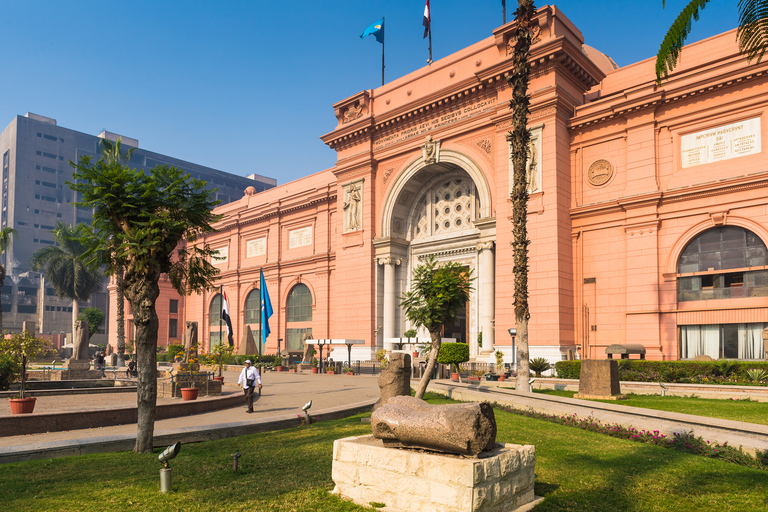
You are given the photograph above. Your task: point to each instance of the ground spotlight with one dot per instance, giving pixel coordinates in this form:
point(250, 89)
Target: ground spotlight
point(165, 474)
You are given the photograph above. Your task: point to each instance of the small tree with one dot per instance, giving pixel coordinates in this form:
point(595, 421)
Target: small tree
point(23, 348)
point(219, 352)
point(454, 354)
point(147, 224)
point(95, 319)
point(437, 295)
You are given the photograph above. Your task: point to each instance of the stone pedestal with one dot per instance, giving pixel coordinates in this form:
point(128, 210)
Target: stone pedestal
point(79, 364)
point(599, 380)
point(406, 480)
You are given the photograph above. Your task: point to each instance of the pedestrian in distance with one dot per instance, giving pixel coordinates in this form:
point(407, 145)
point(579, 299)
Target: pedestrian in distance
point(248, 379)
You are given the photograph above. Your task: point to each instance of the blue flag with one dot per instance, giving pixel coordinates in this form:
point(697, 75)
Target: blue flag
point(376, 30)
point(266, 309)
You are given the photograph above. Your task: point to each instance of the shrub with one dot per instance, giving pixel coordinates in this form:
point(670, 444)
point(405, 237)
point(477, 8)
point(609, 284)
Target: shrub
point(453, 354)
point(539, 365)
point(9, 368)
point(174, 350)
point(568, 369)
point(697, 372)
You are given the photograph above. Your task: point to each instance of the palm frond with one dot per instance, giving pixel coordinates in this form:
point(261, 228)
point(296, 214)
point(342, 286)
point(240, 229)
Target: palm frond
point(673, 42)
point(752, 34)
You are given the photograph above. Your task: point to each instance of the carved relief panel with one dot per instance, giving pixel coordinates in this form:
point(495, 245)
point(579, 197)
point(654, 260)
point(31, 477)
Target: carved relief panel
point(533, 167)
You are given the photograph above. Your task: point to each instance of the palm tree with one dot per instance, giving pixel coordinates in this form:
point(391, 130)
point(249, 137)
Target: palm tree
point(112, 154)
point(66, 269)
point(5, 242)
point(752, 33)
point(520, 138)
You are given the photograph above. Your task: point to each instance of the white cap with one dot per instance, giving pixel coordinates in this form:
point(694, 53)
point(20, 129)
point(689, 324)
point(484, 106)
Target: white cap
point(248, 361)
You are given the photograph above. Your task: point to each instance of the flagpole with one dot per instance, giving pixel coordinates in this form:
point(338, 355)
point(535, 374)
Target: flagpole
point(430, 37)
point(382, 51)
point(504, 10)
point(221, 308)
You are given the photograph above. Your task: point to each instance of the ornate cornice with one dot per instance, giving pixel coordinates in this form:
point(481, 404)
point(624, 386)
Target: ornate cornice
point(275, 211)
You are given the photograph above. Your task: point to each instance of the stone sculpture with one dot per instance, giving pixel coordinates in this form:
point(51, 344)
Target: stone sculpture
point(409, 422)
point(396, 381)
point(80, 350)
point(247, 345)
point(190, 340)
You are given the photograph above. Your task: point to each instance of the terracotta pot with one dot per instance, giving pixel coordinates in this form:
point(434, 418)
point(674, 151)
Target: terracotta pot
point(502, 377)
point(455, 377)
point(330, 372)
point(314, 370)
point(189, 393)
point(415, 354)
point(22, 405)
point(291, 370)
point(279, 368)
point(219, 379)
point(474, 379)
point(349, 373)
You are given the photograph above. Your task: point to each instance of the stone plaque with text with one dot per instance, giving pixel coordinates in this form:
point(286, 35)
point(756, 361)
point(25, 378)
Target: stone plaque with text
point(299, 237)
point(721, 143)
point(257, 247)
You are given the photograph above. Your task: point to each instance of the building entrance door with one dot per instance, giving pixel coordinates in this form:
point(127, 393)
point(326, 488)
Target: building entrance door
point(458, 328)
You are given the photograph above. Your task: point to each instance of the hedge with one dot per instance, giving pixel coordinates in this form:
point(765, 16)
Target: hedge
point(641, 370)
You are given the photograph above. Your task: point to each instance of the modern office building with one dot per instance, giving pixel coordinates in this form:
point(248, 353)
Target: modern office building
point(648, 208)
point(36, 155)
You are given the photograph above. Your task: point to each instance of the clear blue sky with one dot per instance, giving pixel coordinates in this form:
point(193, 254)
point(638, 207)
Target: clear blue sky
point(247, 86)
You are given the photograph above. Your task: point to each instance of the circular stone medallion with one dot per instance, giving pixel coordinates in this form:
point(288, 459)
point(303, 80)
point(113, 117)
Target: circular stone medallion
point(600, 172)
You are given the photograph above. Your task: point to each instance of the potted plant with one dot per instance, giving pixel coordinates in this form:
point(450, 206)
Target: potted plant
point(219, 352)
point(314, 365)
point(348, 370)
point(454, 354)
point(500, 364)
point(292, 368)
point(189, 393)
point(330, 370)
point(20, 349)
point(475, 377)
point(278, 363)
point(411, 333)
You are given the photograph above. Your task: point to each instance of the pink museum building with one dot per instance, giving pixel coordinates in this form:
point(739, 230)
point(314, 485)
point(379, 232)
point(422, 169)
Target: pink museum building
point(648, 210)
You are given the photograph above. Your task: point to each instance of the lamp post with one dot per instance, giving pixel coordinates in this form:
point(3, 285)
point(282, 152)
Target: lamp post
point(513, 332)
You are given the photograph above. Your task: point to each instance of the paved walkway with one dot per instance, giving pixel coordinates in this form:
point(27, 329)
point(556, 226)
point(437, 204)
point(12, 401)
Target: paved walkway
point(284, 394)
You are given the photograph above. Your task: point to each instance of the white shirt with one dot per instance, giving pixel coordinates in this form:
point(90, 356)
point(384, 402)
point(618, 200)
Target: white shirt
point(249, 372)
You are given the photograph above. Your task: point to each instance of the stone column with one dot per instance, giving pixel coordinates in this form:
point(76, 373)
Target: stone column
point(487, 305)
point(389, 296)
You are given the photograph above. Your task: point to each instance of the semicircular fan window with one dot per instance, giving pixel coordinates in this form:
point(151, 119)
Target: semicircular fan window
point(450, 205)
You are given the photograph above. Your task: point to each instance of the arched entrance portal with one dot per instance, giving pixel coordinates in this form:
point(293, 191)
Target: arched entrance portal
point(439, 208)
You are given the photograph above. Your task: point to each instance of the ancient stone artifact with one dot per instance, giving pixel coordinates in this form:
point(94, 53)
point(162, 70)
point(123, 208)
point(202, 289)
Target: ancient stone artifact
point(80, 350)
point(190, 340)
point(599, 380)
point(409, 422)
point(396, 381)
point(247, 344)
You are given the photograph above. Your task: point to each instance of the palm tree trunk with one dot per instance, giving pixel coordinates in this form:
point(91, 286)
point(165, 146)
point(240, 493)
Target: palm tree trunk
point(2, 283)
point(435, 335)
point(120, 318)
point(520, 138)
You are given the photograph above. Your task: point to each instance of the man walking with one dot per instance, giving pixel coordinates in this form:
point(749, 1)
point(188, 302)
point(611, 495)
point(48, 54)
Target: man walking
point(248, 378)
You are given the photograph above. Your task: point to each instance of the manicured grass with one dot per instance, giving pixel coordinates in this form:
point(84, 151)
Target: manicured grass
point(737, 410)
point(291, 470)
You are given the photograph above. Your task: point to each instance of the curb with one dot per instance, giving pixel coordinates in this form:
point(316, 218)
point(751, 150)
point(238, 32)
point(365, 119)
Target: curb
point(126, 442)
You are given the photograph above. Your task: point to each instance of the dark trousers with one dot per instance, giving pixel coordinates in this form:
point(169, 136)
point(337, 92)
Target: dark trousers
point(249, 397)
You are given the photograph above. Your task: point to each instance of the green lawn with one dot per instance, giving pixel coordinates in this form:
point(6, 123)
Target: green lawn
point(291, 470)
point(737, 410)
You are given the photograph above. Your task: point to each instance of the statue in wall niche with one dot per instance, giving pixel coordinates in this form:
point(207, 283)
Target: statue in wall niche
point(532, 169)
point(307, 348)
point(396, 381)
point(190, 340)
point(409, 422)
point(352, 208)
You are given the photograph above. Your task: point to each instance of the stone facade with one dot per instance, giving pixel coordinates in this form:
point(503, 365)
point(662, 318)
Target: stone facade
point(365, 472)
point(648, 210)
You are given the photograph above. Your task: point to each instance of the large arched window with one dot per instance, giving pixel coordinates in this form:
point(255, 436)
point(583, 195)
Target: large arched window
point(298, 313)
point(720, 264)
point(253, 312)
point(716, 265)
point(216, 325)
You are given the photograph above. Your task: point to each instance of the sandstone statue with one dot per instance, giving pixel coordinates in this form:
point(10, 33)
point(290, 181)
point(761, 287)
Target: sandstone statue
point(409, 422)
point(307, 348)
point(80, 350)
point(190, 340)
point(396, 381)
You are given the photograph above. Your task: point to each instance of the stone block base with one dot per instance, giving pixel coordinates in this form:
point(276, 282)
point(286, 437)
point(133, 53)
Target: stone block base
point(75, 374)
point(405, 480)
point(78, 364)
point(172, 389)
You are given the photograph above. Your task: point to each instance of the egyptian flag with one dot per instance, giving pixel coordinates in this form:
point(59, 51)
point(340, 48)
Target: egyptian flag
point(426, 21)
point(225, 316)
